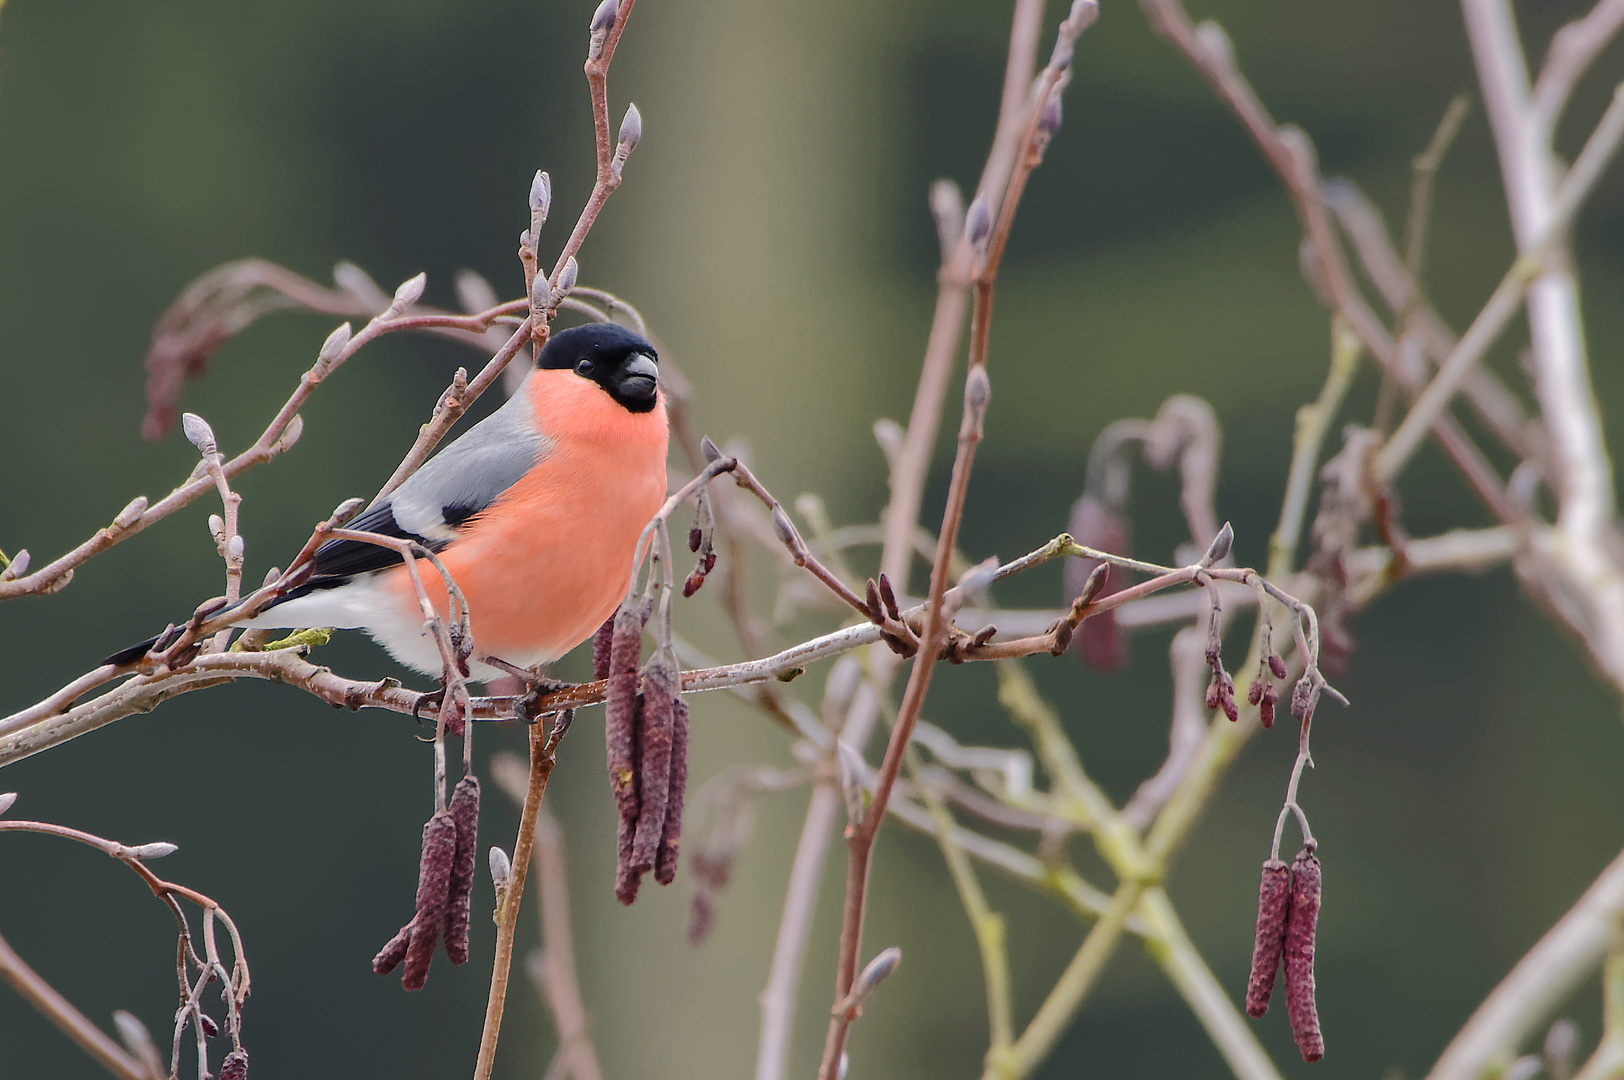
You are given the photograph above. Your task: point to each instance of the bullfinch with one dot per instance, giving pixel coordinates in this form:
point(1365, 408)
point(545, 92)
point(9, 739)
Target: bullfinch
point(535, 512)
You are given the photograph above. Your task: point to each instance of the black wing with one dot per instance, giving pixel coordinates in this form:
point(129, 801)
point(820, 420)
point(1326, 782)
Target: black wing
point(343, 558)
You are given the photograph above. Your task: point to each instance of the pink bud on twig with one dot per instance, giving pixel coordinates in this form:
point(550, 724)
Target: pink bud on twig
point(126, 517)
point(1049, 120)
point(1218, 550)
point(631, 131)
point(411, 290)
point(978, 221)
point(334, 346)
point(947, 207)
point(568, 276)
point(18, 566)
point(501, 868)
point(873, 974)
point(155, 850)
point(198, 433)
point(603, 20)
point(541, 198)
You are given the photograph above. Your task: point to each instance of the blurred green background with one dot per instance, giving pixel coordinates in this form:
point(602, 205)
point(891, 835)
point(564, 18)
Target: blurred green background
point(773, 229)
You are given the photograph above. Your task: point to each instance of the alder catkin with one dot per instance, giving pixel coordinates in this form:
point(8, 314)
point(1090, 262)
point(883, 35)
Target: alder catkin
point(626, 879)
point(1273, 898)
point(235, 1066)
point(601, 643)
point(654, 786)
point(433, 893)
point(620, 703)
point(390, 956)
point(665, 863)
point(459, 900)
point(1300, 923)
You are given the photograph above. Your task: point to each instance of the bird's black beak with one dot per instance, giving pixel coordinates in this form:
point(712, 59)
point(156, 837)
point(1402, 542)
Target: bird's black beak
point(638, 378)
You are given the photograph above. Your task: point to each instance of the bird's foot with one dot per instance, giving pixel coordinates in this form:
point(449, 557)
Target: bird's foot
point(437, 697)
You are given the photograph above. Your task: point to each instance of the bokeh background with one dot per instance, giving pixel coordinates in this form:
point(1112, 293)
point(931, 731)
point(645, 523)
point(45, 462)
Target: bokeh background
point(773, 228)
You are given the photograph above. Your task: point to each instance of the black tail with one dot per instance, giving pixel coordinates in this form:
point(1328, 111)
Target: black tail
point(300, 584)
point(133, 653)
point(172, 632)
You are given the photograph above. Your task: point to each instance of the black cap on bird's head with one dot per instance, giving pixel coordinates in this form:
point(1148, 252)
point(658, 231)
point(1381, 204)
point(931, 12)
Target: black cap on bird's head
point(612, 356)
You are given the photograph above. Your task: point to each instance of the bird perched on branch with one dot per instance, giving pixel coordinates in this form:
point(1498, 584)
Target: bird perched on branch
point(535, 512)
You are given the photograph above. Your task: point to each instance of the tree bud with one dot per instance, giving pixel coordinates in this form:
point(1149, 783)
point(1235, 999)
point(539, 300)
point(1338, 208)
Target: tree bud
point(411, 290)
point(334, 346)
point(978, 221)
point(198, 433)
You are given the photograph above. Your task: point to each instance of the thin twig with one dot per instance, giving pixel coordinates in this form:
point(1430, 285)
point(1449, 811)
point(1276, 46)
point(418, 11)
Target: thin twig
point(560, 985)
point(1290, 153)
point(280, 434)
point(236, 980)
point(1507, 298)
point(986, 924)
point(1548, 972)
point(543, 755)
point(1579, 461)
point(608, 176)
point(553, 965)
point(70, 1021)
point(977, 390)
point(1573, 49)
point(450, 408)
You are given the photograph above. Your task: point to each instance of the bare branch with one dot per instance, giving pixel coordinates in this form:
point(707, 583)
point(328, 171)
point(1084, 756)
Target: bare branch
point(1572, 50)
point(1548, 972)
point(70, 1021)
point(543, 755)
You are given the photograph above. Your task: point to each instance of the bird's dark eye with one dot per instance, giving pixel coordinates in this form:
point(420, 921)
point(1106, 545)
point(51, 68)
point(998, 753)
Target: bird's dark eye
point(583, 367)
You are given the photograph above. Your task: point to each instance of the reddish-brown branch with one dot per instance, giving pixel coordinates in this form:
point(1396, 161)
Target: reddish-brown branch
point(208, 964)
point(909, 462)
point(33, 988)
point(608, 179)
point(543, 755)
point(860, 839)
point(53, 721)
point(451, 407)
point(139, 515)
point(1291, 155)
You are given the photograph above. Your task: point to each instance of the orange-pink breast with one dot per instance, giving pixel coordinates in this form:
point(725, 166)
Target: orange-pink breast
point(549, 561)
